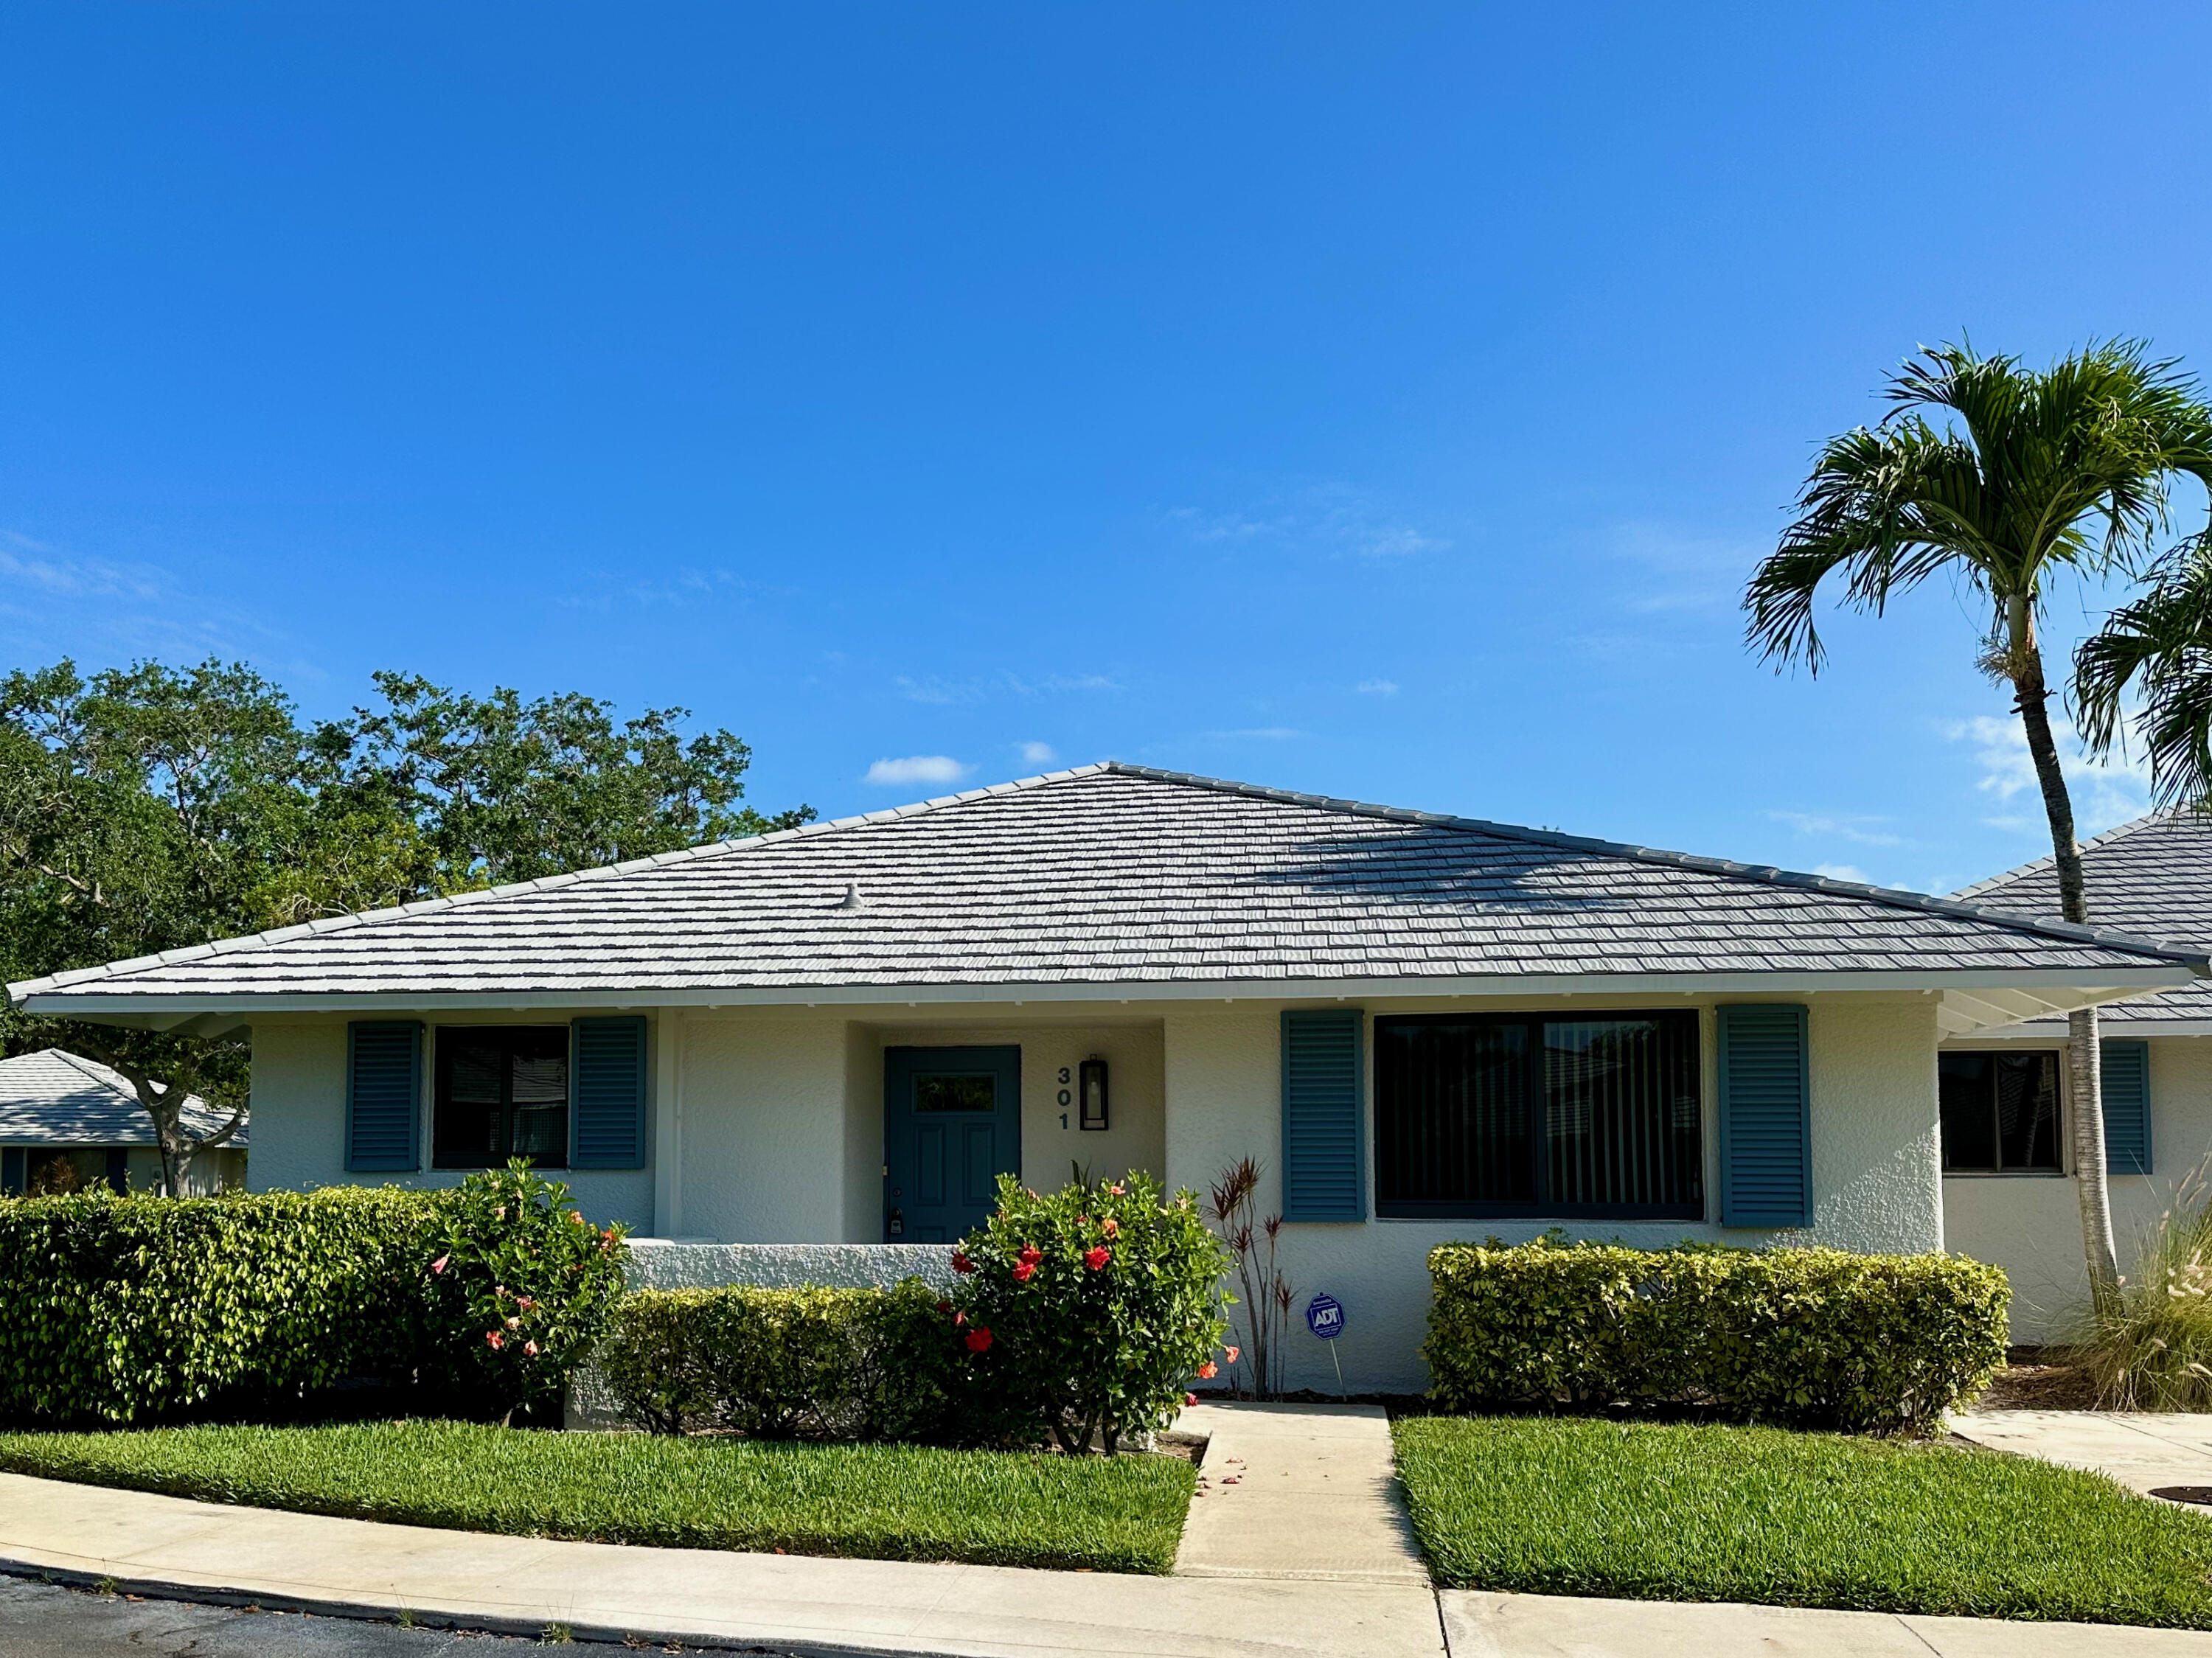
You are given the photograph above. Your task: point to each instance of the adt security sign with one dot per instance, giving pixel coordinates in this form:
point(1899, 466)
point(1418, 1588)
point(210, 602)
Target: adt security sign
point(1325, 1317)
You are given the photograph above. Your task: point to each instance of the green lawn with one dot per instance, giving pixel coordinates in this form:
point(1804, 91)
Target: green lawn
point(883, 1501)
point(1664, 1512)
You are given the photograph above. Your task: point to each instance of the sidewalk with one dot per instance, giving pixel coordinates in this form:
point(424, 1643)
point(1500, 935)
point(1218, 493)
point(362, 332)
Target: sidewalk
point(2145, 1451)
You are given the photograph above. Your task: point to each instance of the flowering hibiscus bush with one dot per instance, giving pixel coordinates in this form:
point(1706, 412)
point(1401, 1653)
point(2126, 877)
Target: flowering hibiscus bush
point(519, 1288)
point(1087, 1312)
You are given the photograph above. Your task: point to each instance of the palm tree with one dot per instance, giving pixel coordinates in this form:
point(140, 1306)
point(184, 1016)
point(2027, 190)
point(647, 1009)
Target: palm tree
point(2027, 474)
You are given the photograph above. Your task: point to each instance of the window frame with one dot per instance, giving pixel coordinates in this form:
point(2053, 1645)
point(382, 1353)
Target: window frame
point(1387, 1208)
point(443, 1041)
point(2060, 1124)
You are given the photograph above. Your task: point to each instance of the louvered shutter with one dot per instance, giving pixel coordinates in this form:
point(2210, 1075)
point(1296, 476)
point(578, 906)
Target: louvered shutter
point(606, 1093)
point(1766, 1133)
point(2126, 1075)
point(384, 1092)
point(1324, 1172)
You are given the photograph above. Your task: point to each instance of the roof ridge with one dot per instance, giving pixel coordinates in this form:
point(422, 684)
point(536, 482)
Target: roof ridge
point(353, 919)
point(1764, 874)
point(2050, 860)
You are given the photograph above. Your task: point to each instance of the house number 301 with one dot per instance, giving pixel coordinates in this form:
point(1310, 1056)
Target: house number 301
point(1067, 1099)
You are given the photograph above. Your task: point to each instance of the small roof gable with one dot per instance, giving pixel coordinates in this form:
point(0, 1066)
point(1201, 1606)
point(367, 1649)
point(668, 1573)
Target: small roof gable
point(1130, 882)
point(57, 1098)
point(2151, 876)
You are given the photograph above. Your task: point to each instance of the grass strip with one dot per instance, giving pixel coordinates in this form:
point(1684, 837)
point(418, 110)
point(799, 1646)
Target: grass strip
point(877, 1502)
point(1671, 1512)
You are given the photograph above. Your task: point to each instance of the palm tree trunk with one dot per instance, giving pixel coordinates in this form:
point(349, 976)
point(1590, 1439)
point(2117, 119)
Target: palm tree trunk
point(2092, 1188)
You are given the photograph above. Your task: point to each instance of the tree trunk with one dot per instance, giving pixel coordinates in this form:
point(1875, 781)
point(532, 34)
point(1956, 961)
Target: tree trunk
point(2092, 1189)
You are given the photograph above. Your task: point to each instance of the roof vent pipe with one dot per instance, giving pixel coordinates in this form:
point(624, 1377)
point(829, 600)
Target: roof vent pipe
point(852, 899)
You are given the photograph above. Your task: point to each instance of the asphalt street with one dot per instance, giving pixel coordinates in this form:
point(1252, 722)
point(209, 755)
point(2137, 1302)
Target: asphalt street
point(44, 1620)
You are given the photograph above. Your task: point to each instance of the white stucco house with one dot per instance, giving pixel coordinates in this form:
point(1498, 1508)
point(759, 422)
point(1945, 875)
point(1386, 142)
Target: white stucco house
point(2008, 1197)
point(1425, 1028)
point(68, 1123)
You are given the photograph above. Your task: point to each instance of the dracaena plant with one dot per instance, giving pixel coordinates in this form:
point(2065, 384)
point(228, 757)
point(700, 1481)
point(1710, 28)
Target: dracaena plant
point(1232, 1204)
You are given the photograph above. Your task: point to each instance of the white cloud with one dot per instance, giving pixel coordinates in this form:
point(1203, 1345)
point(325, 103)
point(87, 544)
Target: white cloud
point(1334, 519)
point(1377, 687)
point(1845, 872)
point(1036, 754)
point(2106, 793)
point(916, 768)
point(1857, 827)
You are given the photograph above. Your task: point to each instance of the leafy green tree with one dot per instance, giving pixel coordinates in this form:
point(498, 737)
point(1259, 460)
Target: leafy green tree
point(2020, 474)
point(151, 808)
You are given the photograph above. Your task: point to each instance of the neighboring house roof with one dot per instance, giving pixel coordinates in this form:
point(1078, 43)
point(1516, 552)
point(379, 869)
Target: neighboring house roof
point(1117, 880)
point(54, 1098)
point(2153, 876)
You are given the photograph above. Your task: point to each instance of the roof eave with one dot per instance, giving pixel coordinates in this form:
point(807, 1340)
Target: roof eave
point(1973, 998)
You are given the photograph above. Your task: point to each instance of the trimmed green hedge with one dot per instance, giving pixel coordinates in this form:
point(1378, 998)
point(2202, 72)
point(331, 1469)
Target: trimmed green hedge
point(1815, 1338)
point(803, 1364)
point(127, 1309)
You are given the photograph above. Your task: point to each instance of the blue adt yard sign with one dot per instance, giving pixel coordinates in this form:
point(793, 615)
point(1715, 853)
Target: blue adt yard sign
point(1325, 1317)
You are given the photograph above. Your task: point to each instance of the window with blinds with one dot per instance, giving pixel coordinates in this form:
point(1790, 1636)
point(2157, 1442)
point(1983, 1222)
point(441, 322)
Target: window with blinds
point(1515, 1114)
point(502, 1091)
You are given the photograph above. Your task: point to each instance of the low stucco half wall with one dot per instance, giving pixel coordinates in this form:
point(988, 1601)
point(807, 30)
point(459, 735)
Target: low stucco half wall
point(657, 1264)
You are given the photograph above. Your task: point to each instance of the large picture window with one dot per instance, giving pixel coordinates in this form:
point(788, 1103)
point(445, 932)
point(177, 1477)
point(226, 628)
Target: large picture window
point(1513, 1115)
point(1999, 1112)
point(502, 1091)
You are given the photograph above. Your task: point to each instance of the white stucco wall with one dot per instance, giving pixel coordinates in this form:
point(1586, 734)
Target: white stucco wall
point(299, 1104)
point(2031, 1225)
point(780, 1120)
point(1876, 1168)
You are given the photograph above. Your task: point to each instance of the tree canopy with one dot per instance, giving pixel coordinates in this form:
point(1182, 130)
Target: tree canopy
point(148, 808)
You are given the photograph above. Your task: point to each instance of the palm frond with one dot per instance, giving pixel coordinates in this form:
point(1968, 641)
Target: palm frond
point(2160, 645)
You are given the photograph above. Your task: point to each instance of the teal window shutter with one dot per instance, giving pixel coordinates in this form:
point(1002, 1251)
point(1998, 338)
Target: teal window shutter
point(606, 1093)
point(1767, 1116)
point(384, 1095)
point(1324, 1125)
point(2126, 1075)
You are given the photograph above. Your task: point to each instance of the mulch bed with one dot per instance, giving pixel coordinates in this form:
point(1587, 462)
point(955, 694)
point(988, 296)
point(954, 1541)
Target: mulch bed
point(2040, 1379)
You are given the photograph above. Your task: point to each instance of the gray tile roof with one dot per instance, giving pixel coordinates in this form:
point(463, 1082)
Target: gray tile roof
point(54, 1098)
point(1116, 875)
point(2152, 876)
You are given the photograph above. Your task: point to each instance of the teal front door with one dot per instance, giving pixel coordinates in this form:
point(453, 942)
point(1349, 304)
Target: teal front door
point(952, 1125)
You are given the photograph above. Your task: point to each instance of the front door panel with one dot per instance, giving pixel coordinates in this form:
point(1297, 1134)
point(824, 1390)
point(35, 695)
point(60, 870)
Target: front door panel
point(952, 1125)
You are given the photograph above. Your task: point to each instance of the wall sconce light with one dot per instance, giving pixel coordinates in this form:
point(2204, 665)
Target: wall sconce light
point(1091, 1082)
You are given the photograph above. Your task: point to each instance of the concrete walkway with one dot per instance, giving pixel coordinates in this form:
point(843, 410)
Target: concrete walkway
point(2148, 1453)
point(1298, 1492)
point(1313, 1567)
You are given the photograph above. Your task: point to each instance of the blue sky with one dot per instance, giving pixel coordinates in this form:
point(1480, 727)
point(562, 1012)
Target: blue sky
point(1387, 404)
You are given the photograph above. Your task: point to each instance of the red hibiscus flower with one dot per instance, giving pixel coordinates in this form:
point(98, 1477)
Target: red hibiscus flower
point(1208, 1370)
point(1113, 1227)
point(495, 1340)
point(1231, 1353)
point(1097, 1257)
point(1118, 1189)
point(530, 1347)
point(1025, 1272)
point(1190, 1399)
point(1030, 1255)
point(979, 1339)
point(439, 1265)
point(961, 1263)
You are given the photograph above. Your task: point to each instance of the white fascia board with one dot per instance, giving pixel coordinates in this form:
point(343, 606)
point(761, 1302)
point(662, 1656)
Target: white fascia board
point(2112, 984)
